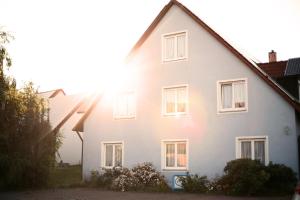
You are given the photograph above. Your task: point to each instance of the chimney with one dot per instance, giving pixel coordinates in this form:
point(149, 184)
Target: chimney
point(272, 56)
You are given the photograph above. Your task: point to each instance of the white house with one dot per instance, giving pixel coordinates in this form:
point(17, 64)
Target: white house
point(197, 104)
point(64, 113)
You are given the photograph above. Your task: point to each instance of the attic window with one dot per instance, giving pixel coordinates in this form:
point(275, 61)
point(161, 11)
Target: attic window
point(174, 46)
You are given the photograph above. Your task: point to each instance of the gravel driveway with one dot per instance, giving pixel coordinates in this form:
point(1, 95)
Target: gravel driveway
point(93, 194)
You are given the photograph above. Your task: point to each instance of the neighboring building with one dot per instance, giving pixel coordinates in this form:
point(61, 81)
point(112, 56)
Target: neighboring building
point(197, 104)
point(286, 72)
point(63, 115)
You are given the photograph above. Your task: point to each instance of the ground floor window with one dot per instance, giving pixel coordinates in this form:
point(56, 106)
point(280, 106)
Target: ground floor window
point(253, 147)
point(175, 154)
point(112, 154)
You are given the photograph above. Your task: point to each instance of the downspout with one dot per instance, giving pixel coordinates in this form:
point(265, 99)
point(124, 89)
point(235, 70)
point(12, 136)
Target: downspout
point(81, 153)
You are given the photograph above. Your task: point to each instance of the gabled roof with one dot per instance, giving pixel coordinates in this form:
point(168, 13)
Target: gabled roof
point(51, 93)
point(65, 119)
point(253, 66)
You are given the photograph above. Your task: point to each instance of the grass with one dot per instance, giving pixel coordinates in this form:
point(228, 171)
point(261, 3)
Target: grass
point(62, 177)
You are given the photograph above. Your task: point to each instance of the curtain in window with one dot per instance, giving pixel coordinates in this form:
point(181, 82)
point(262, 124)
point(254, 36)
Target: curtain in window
point(169, 47)
point(259, 151)
point(239, 94)
point(181, 99)
point(118, 155)
point(246, 149)
point(108, 155)
point(170, 100)
point(181, 155)
point(181, 46)
point(170, 155)
point(226, 93)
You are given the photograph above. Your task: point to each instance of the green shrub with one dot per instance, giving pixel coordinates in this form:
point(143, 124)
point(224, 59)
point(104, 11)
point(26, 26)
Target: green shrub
point(195, 183)
point(250, 177)
point(243, 177)
point(282, 179)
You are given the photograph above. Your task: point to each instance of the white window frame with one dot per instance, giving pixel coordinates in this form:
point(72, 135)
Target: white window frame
point(115, 113)
point(103, 153)
point(164, 113)
point(163, 154)
point(220, 109)
point(252, 139)
point(174, 34)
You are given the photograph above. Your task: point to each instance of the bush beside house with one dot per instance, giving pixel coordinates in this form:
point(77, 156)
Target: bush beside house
point(245, 177)
point(143, 177)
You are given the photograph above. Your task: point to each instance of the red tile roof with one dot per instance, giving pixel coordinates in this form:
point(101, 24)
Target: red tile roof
point(274, 69)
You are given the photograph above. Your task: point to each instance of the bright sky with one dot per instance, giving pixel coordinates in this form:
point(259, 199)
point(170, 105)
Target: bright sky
point(70, 44)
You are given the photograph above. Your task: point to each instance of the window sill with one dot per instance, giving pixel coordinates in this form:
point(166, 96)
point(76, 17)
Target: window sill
point(174, 60)
point(175, 169)
point(232, 111)
point(175, 114)
point(124, 117)
point(106, 167)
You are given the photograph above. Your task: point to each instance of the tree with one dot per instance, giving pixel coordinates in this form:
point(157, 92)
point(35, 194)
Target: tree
point(25, 159)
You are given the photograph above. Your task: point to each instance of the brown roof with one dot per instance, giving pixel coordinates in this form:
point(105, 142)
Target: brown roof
point(274, 69)
point(252, 66)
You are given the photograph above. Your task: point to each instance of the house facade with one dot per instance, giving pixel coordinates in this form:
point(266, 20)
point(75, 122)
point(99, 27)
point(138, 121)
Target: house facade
point(197, 103)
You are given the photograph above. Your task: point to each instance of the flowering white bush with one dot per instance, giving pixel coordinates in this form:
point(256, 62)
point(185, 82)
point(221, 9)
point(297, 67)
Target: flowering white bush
point(147, 175)
point(124, 183)
point(142, 177)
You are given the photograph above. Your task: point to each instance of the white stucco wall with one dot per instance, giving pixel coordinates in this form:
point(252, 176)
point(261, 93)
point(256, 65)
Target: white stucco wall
point(60, 106)
point(211, 135)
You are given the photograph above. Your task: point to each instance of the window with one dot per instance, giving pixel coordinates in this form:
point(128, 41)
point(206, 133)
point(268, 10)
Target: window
point(232, 95)
point(175, 100)
point(254, 147)
point(175, 154)
point(174, 46)
point(125, 105)
point(112, 154)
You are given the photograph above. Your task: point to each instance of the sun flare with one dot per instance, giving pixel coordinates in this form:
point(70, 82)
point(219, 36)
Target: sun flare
point(110, 81)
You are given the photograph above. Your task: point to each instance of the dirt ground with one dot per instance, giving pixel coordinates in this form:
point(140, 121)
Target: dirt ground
point(95, 194)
